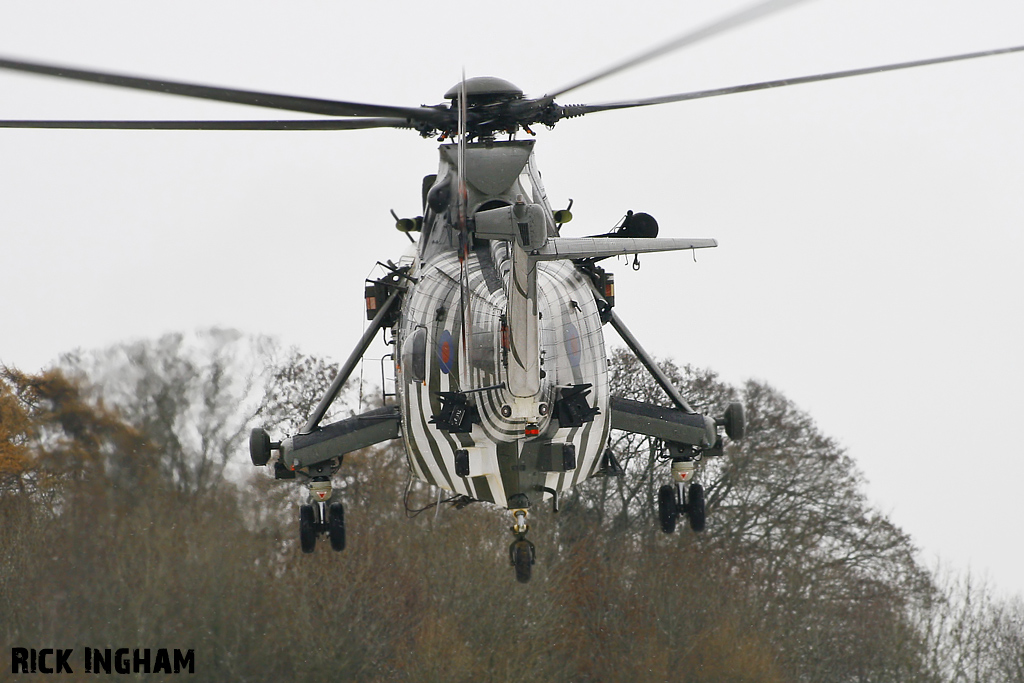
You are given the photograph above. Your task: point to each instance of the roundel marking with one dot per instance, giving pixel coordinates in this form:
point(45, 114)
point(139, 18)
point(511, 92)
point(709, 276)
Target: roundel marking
point(446, 351)
point(573, 346)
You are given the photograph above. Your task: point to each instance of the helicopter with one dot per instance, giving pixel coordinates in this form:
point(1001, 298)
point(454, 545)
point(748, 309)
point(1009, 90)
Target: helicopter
point(497, 319)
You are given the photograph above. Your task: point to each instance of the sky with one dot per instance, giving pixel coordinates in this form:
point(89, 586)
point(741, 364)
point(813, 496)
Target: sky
point(869, 229)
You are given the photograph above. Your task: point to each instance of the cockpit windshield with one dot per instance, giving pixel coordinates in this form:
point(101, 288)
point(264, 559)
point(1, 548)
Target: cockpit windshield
point(496, 174)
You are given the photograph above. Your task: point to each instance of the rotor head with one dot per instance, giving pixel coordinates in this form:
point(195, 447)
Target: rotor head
point(485, 90)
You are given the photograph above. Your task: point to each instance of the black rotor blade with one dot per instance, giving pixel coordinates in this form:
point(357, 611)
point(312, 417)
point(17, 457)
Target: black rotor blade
point(689, 38)
point(581, 109)
point(308, 105)
point(320, 124)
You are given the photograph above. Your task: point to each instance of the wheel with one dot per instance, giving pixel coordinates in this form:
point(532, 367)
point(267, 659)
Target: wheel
point(336, 526)
point(695, 508)
point(307, 529)
point(259, 446)
point(735, 421)
point(668, 509)
point(523, 557)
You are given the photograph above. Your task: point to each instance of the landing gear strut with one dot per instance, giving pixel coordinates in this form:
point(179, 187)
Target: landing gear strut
point(521, 553)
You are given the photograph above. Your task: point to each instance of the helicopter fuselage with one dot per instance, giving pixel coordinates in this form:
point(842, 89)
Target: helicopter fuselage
point(500, 340)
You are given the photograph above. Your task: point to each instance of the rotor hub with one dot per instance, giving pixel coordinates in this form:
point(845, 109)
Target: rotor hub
point(485, 90)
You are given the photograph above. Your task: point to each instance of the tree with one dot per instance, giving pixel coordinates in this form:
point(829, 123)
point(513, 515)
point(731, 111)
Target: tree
point(797, 577)
point(834, 578)
point(51, 433)
point(972, 635)
point(68, 462)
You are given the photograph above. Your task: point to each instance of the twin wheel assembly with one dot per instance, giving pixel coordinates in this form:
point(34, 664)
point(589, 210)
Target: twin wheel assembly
point(672, 503)
point(312, 523)
point(676, 499)
point(319, 517)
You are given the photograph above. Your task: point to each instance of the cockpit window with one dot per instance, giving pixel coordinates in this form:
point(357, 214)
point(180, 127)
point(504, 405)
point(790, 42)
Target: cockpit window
point(493, 204)
point(414, 356)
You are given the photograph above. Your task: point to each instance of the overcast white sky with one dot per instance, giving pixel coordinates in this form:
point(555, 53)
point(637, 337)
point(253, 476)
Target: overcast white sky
point(870, 228)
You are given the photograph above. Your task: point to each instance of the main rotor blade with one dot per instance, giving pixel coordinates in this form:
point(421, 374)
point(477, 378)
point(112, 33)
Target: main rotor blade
point(689, 38)
point(319, 124)
point(308, 105)
point(579, 110)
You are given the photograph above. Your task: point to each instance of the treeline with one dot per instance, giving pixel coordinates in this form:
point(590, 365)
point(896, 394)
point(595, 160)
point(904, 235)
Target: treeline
point(130, 517)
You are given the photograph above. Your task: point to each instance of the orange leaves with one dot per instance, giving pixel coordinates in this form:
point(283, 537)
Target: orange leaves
point(51, 432)
point(15, 432)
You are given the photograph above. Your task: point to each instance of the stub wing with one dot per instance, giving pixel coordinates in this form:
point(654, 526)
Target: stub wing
point(668, 424)
point(339, 438)
point(604, 247)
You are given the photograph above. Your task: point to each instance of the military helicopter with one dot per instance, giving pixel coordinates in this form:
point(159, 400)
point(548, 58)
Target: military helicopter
point(497, 320)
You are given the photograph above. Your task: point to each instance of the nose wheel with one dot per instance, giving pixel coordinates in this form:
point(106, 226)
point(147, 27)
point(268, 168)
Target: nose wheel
point(522, 553)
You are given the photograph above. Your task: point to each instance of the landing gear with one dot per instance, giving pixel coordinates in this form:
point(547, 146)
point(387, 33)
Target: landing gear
point(336, 526)
point(676, 500)
point(319, 517)
point(522, 554)
point(307, 529)
point(695, 507)
point(668, 508)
